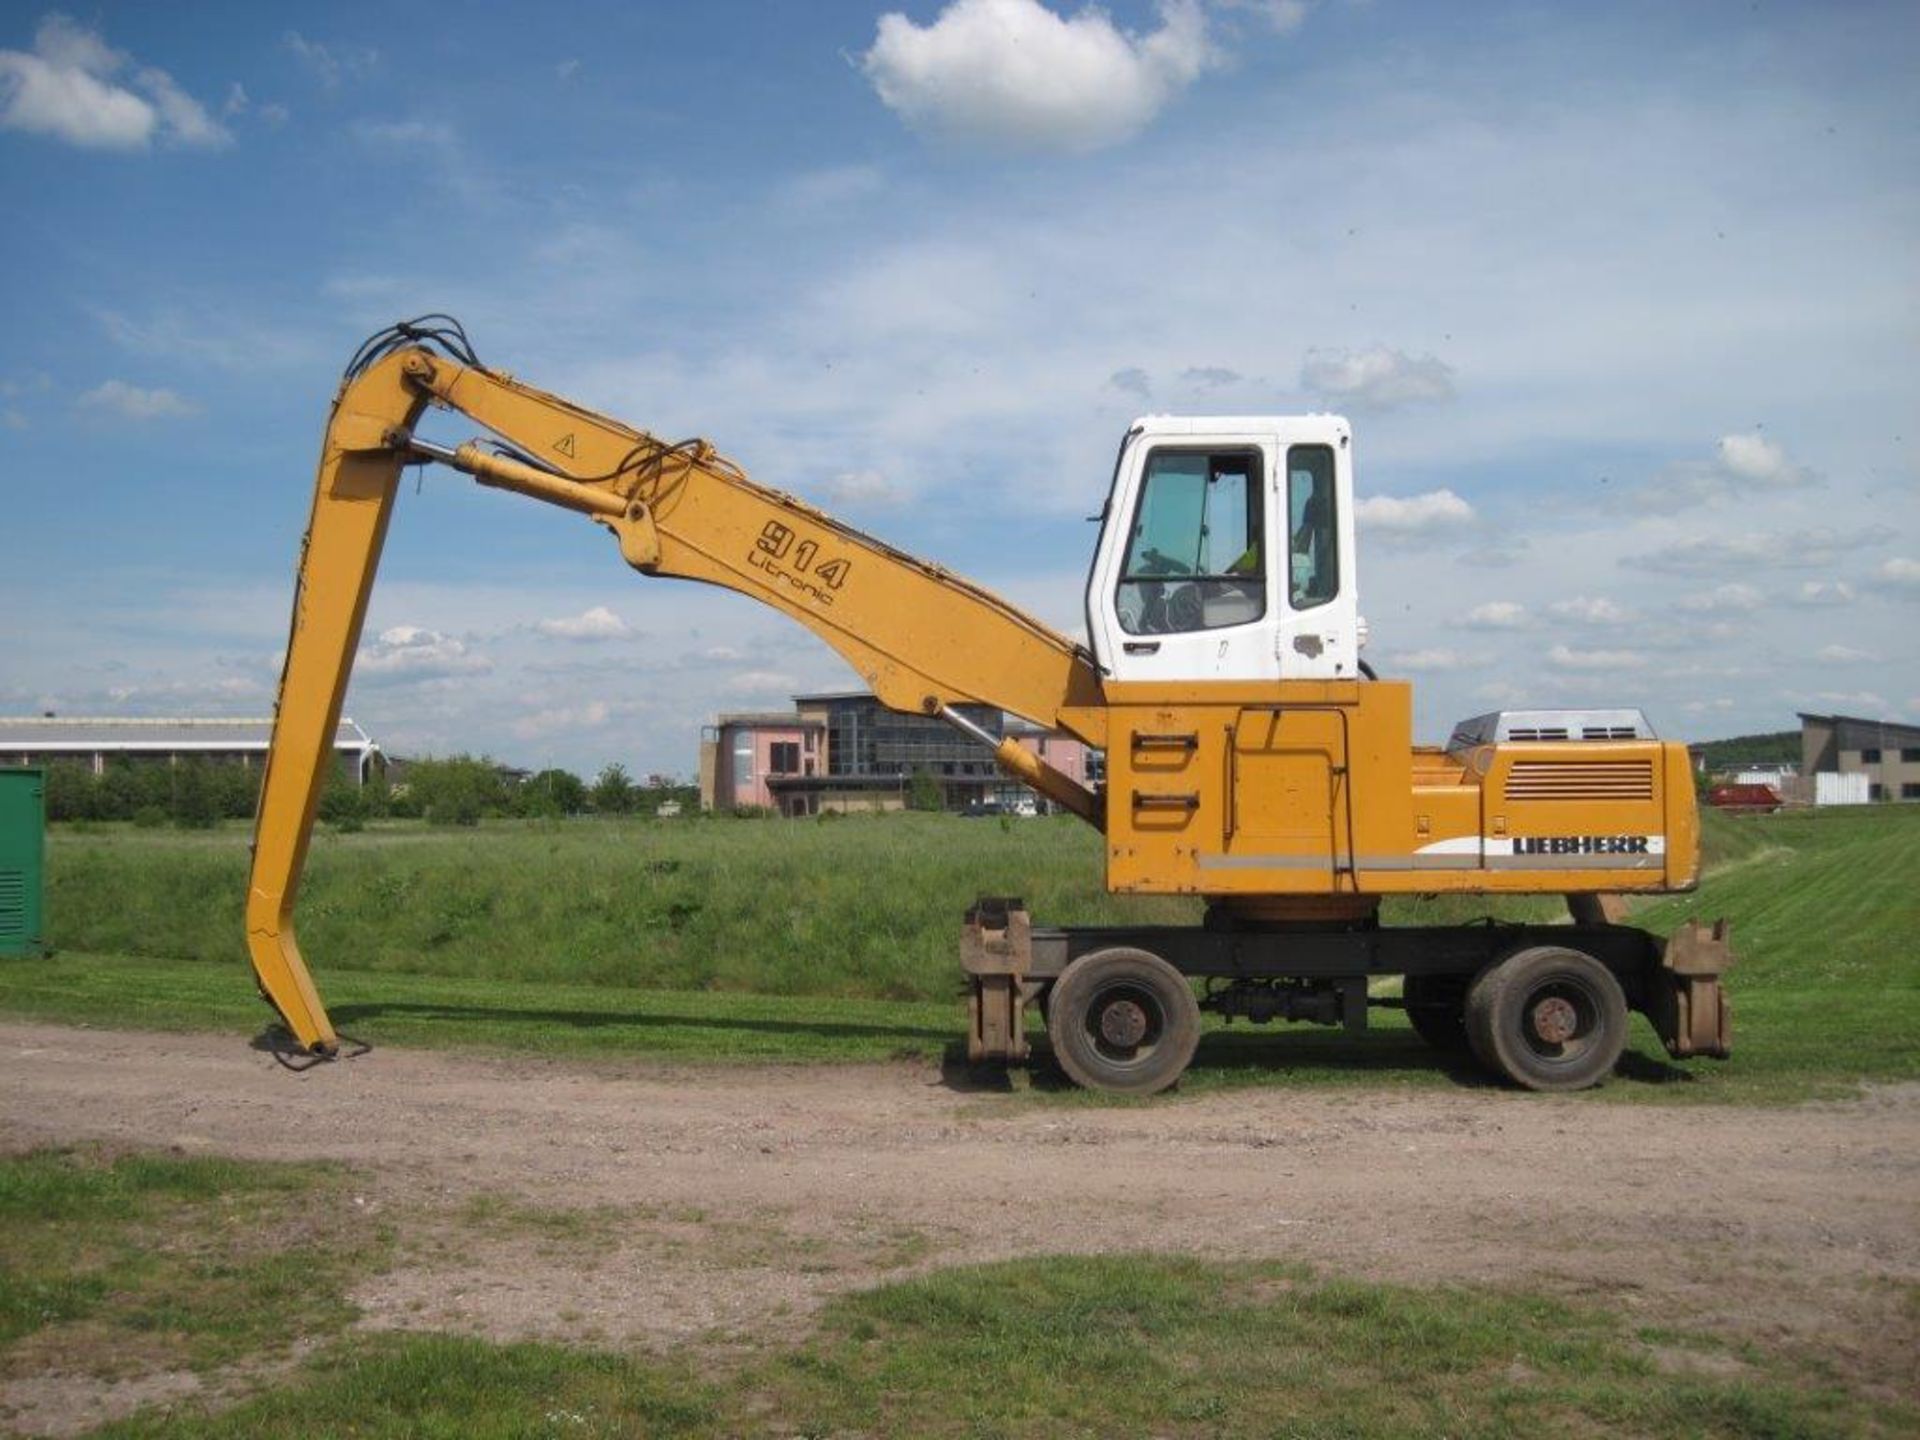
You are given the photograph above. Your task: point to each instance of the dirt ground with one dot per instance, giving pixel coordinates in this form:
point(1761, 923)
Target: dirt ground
point(722, 1205)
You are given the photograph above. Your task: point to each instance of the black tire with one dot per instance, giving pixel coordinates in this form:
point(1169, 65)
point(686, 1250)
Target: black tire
point(1548, 1018)
point(1123, 1021)
point(1437, 1010)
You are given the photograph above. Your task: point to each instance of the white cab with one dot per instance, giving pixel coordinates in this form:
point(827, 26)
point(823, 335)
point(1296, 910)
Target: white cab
point(1227, 552)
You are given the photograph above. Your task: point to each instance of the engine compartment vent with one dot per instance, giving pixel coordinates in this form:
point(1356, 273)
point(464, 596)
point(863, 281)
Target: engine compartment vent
point(1580, 780)
point(1534, 726)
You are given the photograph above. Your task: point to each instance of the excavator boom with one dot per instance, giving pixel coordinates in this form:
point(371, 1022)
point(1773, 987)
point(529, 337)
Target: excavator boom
point(1252, 760)
point(921, 638)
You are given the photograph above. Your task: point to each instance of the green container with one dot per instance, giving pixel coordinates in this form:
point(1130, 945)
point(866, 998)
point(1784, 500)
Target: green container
point(23, 862)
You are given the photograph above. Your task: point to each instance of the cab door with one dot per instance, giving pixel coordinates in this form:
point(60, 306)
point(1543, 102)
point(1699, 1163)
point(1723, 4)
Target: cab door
point(1185, 588)
point(1317, 635)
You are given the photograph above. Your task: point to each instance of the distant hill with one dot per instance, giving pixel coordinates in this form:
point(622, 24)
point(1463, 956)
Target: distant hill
point(1751, 750)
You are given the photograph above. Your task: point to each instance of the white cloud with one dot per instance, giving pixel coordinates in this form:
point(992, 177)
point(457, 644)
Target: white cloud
point(330, 63)
point(1899, 573)
point(1498, 615)
point(1210, 377)
point(1759, 462)
point(861, 487)
point(1562, 657)
point(1282, 16)
point(1845, 654)
point(1375, 379)
point(1013, 74)
point(1842, 702)
point(411, 652)
point(1435, 659)
point(1742, 466)
point(1825, 592)
point(830, 189)
point(1591, 610)
point(1775, 549)
point(597, 623)
point(66, 87)
point(182, 118)
point(131, 402)
point(563, 719)
point(1732, 598)
point(762, 682)
point(189, 696)
point(1425, 514)
point(404, 134)
point(1501, 550)
point(1132, 381)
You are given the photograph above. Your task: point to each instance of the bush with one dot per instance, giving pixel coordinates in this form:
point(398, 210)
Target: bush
point(552, 792)
point(613, 791)
point(456, 791)
point(150, 817)
point(237, 788)
point(924, 792)
point(196, 797)
point(342, 804)
point(71, 793)
point(460, 808)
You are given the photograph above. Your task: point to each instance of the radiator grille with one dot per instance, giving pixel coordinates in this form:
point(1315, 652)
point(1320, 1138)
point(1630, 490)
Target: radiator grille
point(1580, 780)
point(13, 904)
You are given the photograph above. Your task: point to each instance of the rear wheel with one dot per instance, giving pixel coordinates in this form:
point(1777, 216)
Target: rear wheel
point(1437, 1009)
point(1123, 1020)
point(1548, 1018)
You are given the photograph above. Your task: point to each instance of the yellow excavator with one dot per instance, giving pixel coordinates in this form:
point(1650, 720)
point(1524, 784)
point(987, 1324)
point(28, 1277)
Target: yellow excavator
point(1253, 758)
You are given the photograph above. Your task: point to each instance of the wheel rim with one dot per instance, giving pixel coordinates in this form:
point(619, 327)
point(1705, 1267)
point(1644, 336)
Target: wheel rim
point(1124, 1023)
point(1560, 1021)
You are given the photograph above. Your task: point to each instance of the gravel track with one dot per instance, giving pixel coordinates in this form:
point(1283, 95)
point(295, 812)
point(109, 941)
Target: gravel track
point(726, 1203)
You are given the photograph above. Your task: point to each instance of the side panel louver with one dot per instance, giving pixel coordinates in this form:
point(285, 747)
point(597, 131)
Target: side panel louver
point(1580, 780)
point(13, 905)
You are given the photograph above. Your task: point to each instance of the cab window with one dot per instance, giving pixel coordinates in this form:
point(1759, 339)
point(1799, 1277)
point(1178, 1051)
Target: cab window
point(1194, 558)
point(1314, 568)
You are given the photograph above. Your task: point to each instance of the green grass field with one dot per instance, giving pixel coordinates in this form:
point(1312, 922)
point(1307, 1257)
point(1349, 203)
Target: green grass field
point(118, 1266)
point(836, 940)
point(115, 1266)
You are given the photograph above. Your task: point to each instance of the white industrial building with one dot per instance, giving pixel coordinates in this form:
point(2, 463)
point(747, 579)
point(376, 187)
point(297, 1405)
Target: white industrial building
point(97, 740)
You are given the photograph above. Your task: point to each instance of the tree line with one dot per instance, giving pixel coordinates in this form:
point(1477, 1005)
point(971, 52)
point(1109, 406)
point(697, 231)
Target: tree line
point(460, 790)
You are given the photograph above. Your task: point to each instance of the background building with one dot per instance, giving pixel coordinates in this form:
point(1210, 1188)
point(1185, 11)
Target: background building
point(96, 740)
point(847, 751)
point(742, 755)
point(1885, 752)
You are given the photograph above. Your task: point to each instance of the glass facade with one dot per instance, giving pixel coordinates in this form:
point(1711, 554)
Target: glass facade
point(865, 738)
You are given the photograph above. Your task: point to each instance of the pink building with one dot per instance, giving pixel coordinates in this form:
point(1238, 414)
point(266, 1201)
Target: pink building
point(740, 754)
point(844, 752)
point(1071, 757)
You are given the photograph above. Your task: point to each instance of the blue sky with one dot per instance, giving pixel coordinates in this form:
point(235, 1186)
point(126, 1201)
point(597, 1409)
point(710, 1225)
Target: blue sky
point(1621, 300)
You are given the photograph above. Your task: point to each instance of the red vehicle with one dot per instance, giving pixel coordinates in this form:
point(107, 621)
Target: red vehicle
point(1761, 799)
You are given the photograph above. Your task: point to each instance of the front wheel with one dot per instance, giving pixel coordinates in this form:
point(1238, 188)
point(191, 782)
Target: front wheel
point(1124, 1021)
point(1548, 1018)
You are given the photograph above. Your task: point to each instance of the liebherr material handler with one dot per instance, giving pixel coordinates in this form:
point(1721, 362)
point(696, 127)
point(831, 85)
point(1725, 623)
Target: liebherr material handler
point(1252, 758)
